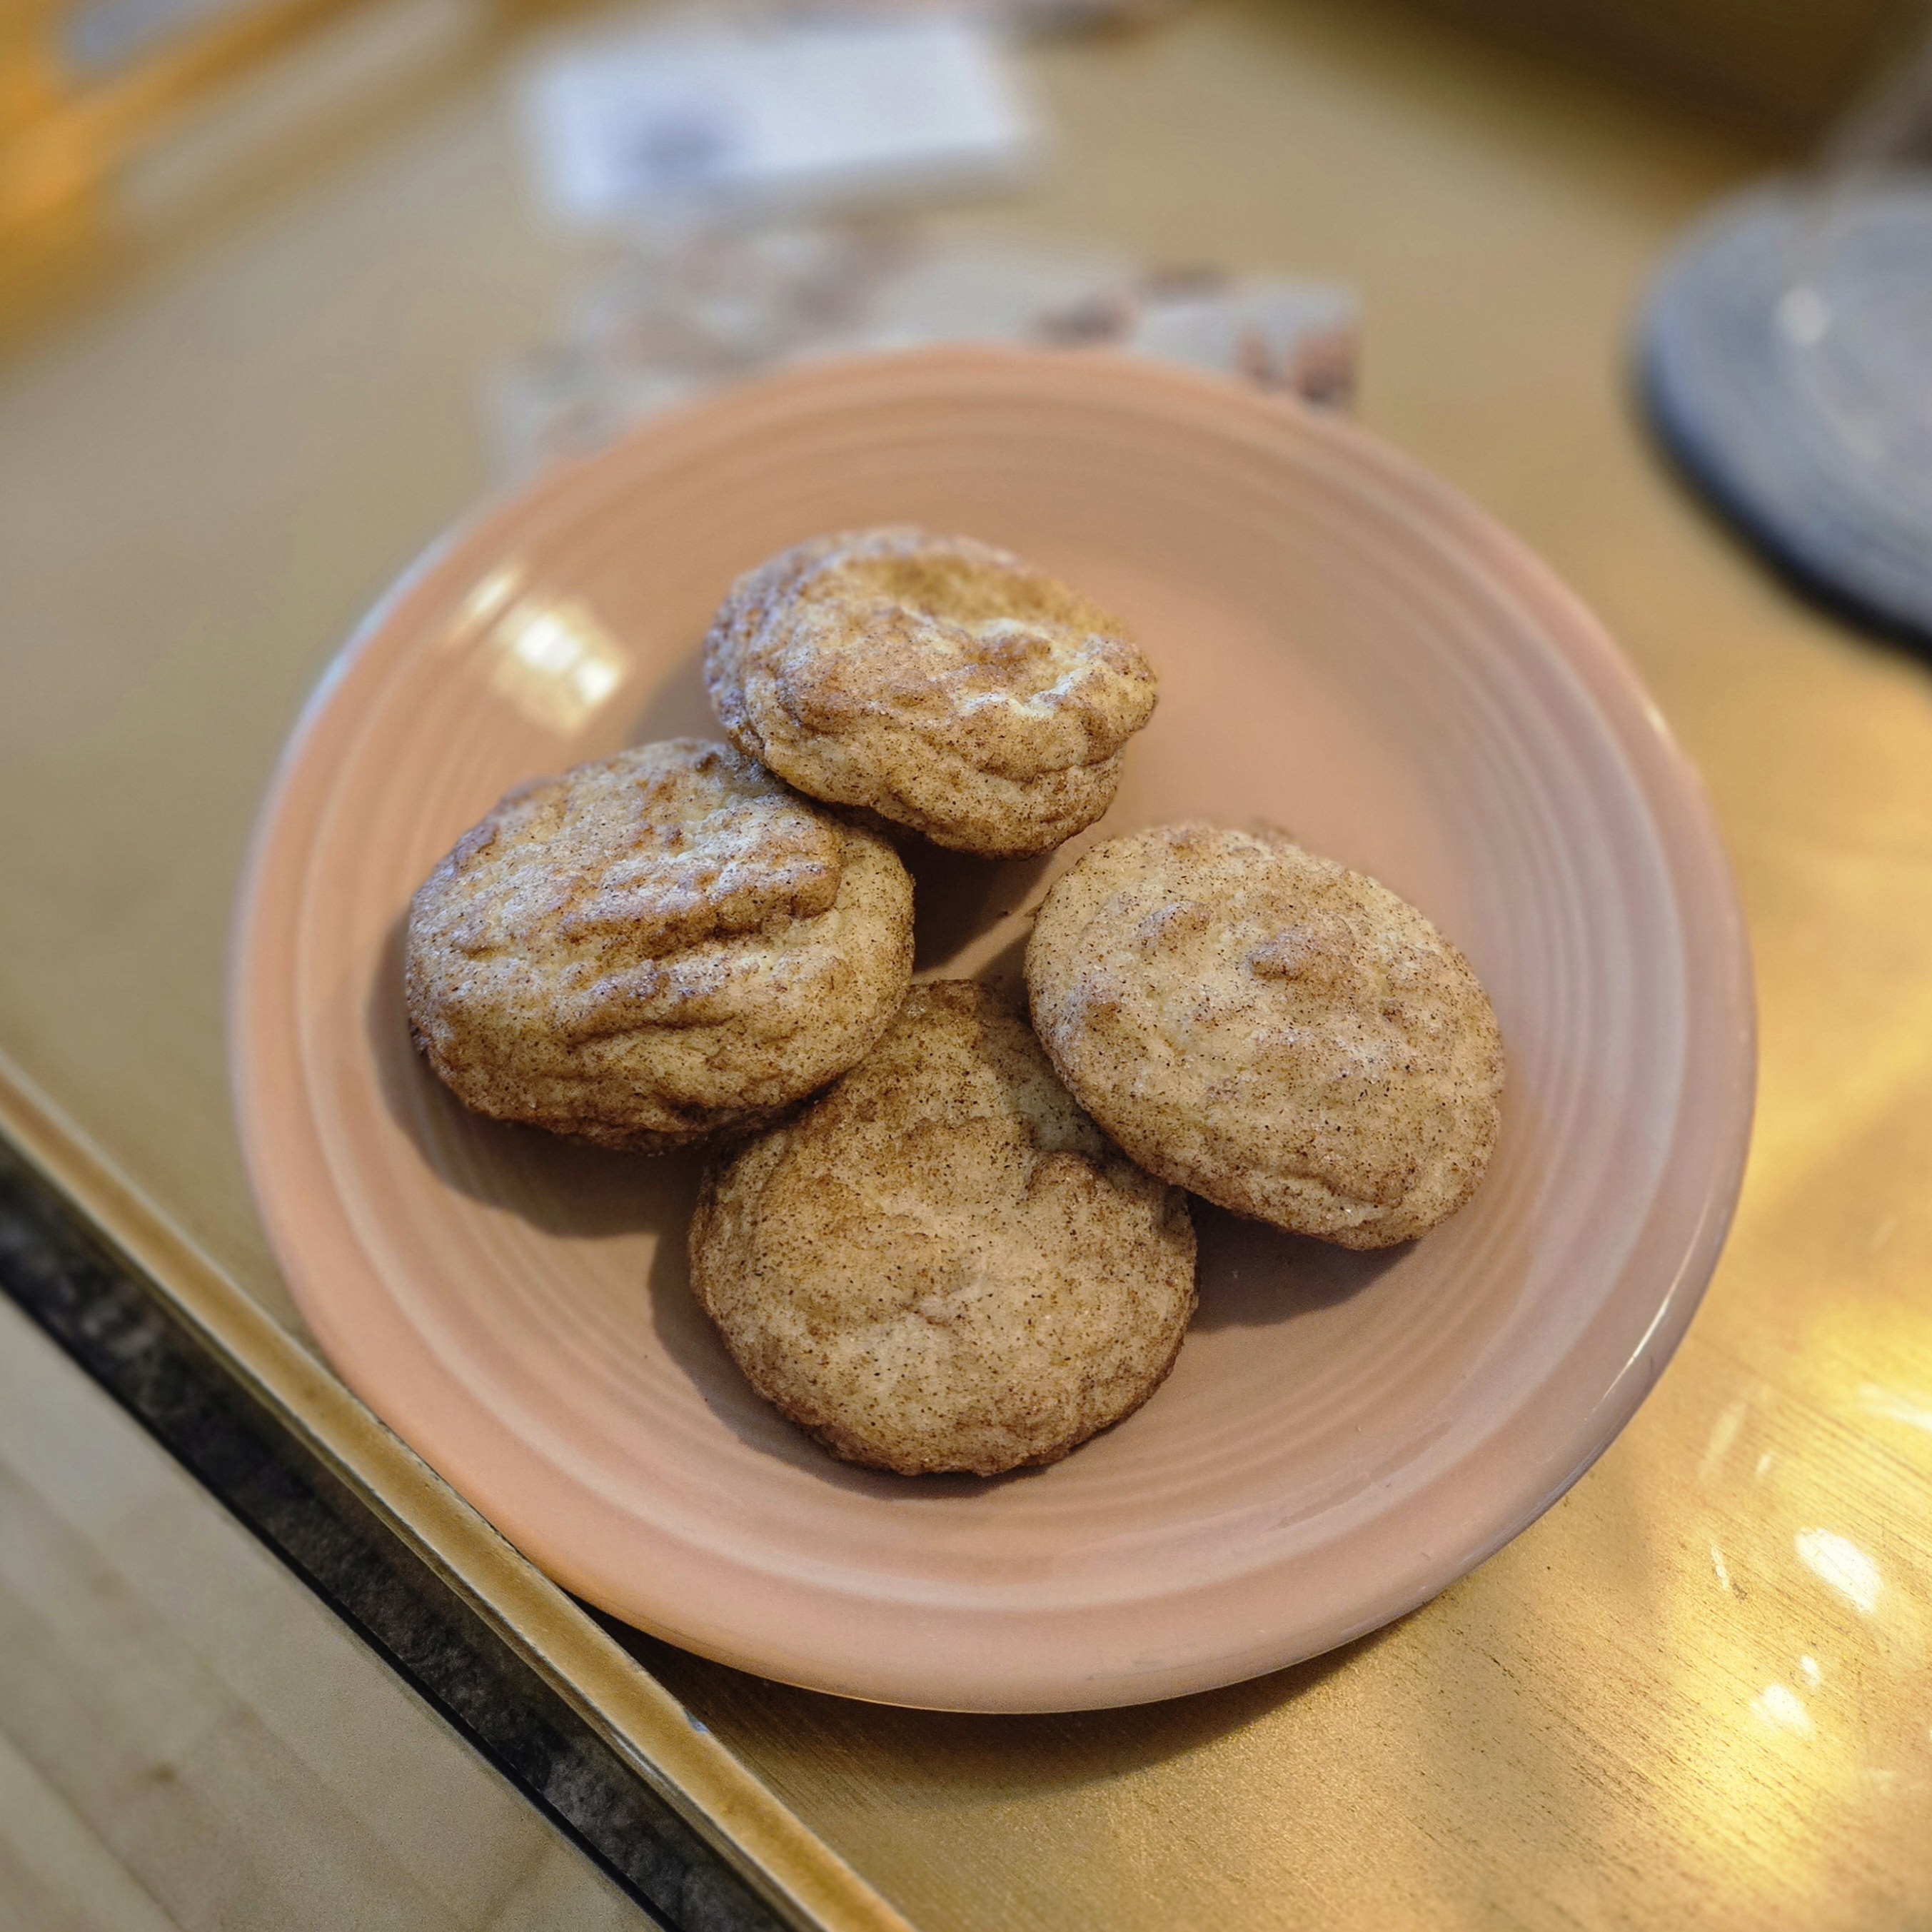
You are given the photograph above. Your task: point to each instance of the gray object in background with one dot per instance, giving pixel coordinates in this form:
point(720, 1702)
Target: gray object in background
point(1787, 360)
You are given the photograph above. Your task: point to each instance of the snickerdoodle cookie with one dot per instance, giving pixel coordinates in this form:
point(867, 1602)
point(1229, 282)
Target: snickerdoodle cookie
point(941, 1263)
point(1277, 1033)
point(936, 681)
point(656, 948)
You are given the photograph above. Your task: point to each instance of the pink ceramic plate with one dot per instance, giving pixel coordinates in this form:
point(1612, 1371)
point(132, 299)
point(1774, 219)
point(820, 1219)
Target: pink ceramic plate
point(1345, 647)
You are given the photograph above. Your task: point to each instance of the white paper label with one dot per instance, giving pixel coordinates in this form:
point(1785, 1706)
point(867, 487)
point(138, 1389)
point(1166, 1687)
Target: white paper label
point(786, 117)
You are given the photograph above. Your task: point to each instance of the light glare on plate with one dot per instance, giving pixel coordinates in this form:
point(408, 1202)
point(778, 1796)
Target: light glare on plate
point(487, 598)
point(555, 662)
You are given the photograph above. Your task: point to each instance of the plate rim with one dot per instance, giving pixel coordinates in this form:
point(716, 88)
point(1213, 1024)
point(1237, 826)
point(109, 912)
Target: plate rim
point(1674, 800)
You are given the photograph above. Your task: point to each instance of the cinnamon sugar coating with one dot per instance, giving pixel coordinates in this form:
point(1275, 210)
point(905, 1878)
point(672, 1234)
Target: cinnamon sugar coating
point(940, 682)
point(1285, 1036)
point(942, 1264)
point(654, 948)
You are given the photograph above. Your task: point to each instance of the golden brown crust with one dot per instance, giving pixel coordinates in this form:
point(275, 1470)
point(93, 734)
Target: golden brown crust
point(654, 948)
point(1283, 1035)
point(942, 1264)
point(940, 682)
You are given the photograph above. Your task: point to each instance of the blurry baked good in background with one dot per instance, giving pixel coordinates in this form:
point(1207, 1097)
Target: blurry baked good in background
point(654, 948)
point(942, 1264)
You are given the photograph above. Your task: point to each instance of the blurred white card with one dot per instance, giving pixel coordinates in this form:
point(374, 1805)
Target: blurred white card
point(697, 123)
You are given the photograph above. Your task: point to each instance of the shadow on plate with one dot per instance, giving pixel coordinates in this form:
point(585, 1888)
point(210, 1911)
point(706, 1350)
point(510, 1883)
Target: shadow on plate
point(1252, 1276)
point(678, 707)
point(956, 897)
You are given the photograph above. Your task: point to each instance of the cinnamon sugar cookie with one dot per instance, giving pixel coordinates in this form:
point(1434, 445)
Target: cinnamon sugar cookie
point(1283, 1035)
point(936, 681)
point(941, 1263)
point(654, 948)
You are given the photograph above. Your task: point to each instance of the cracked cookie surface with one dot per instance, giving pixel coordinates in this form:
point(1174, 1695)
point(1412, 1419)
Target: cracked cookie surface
point(1285, 1037)
point(936, 681)
point(656, 948)
point(942, 1264)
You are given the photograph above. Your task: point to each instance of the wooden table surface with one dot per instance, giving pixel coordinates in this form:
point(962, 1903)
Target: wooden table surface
point(1696, 1692)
